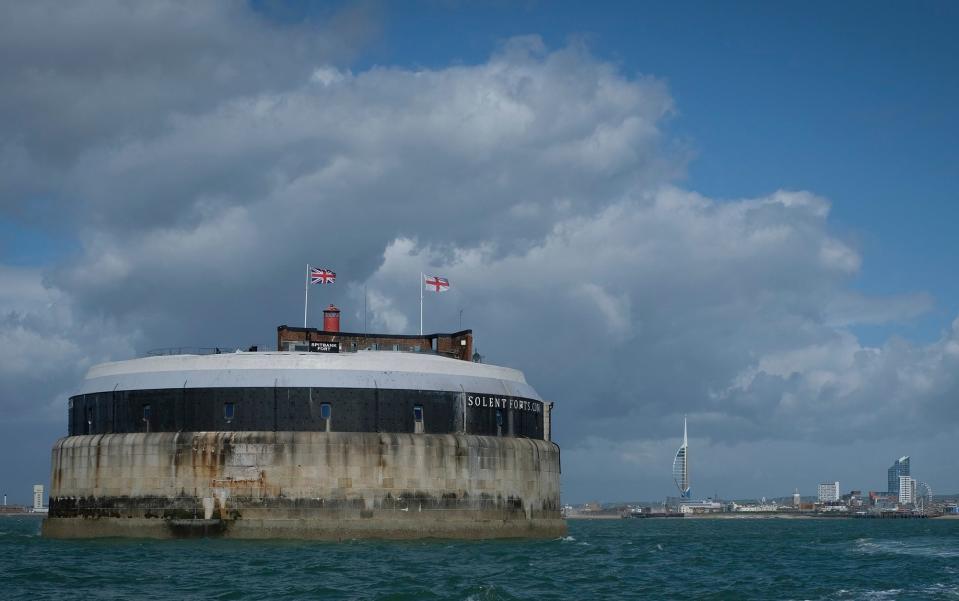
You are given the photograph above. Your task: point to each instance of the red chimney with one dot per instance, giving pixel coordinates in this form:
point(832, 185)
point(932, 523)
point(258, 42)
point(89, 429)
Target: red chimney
point(331, 319)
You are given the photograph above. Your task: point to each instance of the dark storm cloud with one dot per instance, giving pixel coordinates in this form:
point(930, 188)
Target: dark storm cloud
point(82, 76)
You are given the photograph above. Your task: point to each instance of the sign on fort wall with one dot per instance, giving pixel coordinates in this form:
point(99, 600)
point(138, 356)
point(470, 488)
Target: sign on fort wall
point(324, 347)
point(502, 402)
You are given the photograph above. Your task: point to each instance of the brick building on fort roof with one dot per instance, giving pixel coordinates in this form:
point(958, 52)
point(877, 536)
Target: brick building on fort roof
point(458, 345)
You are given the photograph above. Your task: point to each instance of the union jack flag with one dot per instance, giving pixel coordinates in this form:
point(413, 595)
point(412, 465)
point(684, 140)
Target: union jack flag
point(321, 276)
point(436, 284)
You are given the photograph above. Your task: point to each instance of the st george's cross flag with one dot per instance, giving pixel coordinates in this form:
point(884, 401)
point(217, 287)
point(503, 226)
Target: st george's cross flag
point(436, 283)
point(322, 276)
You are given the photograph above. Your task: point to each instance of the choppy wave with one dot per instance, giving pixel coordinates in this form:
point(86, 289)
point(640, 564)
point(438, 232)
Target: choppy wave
point(916, 547)
point(933, 591)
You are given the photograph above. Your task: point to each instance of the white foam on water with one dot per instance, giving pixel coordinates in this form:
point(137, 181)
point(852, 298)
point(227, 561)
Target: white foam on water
point(568, 539)
point(891, 593)
point(869, 546)
point(940, 590)
point(858, 594)
point(916, 547)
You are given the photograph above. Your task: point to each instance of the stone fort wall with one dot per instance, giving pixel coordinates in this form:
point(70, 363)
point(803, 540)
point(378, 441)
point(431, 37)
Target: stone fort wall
point(325, 485)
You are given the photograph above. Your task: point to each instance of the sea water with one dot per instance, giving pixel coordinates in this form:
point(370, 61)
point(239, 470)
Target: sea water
point(611, 559)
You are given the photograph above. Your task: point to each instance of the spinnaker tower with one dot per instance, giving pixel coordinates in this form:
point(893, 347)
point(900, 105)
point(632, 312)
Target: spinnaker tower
point(681, 466)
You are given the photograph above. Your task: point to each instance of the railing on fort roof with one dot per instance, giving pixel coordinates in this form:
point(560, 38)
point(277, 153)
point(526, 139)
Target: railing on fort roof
point(204, 350)
point(262, 348)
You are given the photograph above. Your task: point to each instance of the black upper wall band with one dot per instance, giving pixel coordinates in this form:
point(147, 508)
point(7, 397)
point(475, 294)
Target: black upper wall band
point(304, 409)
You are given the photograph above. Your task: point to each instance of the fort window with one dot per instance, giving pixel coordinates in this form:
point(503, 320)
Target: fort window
point(418, 419)
point(147, 412)
point(326, 412)
point(499, 422)
point(229, 411)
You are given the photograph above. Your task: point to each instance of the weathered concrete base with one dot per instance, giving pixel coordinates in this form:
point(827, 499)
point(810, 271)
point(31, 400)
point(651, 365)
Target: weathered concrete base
point(317, 485)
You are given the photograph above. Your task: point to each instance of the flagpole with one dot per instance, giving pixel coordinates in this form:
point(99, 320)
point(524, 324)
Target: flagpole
point(421, 303)
point(306, 293)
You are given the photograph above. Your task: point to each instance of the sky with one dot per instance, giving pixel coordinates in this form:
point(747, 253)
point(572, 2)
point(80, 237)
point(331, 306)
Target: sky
point(744, 213)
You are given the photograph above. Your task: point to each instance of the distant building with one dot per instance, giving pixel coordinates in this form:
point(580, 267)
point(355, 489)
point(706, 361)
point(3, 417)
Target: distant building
point(829, 492)
point(899, 468)
point(797, 499)
point(907, 490)
point(853, 498)
point(700, 507)
point(884, 500)
point(762, 506)
point(38, 497)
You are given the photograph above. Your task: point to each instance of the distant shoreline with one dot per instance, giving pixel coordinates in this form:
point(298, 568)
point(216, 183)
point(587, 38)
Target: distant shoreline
point(749, 516)
point(759, 516)
point(701, 516)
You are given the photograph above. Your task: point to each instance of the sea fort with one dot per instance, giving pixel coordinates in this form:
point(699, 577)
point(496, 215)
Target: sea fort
point(334, 435)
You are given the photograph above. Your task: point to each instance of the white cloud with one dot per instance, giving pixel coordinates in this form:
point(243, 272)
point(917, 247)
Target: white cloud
point(615, 309)
point(673, 303)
